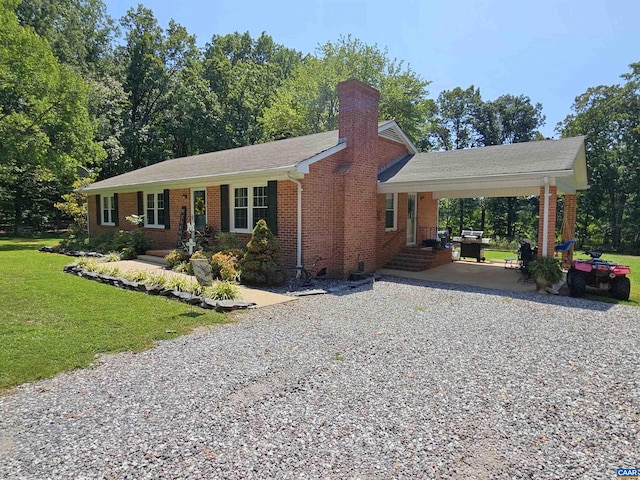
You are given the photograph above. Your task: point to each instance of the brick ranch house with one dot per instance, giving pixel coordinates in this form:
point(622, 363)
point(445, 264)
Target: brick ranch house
point(356, 196)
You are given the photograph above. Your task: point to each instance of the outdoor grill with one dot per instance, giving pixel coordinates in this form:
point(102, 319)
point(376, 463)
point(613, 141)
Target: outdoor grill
point(472, 244)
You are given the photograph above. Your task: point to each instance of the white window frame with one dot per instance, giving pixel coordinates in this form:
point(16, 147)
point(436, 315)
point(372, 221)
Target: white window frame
point(394, 197)
point(108, 204)
point(249, 207)
point(155, 209)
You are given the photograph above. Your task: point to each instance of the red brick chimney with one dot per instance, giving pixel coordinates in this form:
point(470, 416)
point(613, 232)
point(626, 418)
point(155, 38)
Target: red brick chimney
point(358, 125)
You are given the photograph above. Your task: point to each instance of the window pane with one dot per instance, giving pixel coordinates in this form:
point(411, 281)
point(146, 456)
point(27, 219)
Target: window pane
point(389, 201)
point(260, 214)
point(151, 201)
point(241, 197)
point(161, 200)
point(260, 197)
point(151, 217)
point(240, 219)
point(160, 216)
point(388, 221)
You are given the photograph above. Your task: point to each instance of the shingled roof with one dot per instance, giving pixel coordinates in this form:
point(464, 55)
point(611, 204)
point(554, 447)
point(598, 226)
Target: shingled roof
point(563, 159)
point(281, 154)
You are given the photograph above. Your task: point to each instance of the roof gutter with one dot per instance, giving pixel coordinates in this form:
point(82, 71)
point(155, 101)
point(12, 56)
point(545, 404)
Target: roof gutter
point(299, 221)
point(462, 182)
point(272, 174)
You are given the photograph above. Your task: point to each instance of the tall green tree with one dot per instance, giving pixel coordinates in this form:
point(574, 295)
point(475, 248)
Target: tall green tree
point(308, 101)
point(609, 117)
point(79, 31)
point(81, 35)
point(245, 73)
point(44, 122)
point(453, 127)
point(171, 111)
point(508, 119)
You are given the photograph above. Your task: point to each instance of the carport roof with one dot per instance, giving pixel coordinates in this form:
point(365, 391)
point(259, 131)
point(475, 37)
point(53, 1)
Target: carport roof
point(502, 170)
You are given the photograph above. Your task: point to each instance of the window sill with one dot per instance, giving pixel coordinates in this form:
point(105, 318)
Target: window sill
point(105, 224)
point(156, 227)
point(394, 229)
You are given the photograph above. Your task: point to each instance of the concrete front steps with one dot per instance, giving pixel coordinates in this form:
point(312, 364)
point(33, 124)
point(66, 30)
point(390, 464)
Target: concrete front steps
point(417, 259)
point(155, 256)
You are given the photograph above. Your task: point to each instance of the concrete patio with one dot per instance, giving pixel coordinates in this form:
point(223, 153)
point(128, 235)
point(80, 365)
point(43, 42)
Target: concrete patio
point(462, 272)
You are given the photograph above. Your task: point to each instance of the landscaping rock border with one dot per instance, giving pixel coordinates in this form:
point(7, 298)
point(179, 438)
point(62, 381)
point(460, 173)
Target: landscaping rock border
point(173, 294)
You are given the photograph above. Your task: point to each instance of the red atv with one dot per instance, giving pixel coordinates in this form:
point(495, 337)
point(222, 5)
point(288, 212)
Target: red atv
point(599, 274)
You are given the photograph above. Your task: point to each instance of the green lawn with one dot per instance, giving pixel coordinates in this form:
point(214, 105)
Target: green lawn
point(52, 321)
point(633, 262)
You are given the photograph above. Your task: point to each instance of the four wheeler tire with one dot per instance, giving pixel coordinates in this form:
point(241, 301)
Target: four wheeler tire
point(620, 288)
point(577, 283)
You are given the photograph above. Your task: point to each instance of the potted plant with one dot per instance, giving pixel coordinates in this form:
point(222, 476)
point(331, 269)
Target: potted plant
point(546, 270)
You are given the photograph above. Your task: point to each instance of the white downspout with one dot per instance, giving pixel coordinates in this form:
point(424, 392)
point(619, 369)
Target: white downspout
point(545, 223)
point(299, 234)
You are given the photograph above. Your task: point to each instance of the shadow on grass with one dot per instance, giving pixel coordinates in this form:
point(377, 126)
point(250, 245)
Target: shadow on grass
point(192, 314)
point(22, 244)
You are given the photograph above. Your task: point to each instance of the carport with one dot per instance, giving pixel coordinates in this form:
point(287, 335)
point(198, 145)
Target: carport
point(546, 168)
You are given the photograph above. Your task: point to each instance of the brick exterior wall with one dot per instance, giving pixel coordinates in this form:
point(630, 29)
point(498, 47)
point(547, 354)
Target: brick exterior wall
point(128, 205)
point(427, 213)
point(387, 151)
point(358, 123)
point(551, 237)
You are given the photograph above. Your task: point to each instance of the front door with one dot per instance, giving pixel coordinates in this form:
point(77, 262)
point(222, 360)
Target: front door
point(199, 208)
point(412, 218)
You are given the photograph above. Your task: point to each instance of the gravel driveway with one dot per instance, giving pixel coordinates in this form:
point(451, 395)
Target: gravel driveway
point(401, 380)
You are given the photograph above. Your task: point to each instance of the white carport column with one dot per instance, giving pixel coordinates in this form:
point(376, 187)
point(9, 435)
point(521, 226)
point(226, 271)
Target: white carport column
point(545, 227)
point(547, 217)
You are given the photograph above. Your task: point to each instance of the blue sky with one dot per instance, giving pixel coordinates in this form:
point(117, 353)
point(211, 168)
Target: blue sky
point(551, 51)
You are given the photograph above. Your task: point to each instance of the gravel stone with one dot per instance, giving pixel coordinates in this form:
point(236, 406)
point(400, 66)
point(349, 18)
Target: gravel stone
point(396, 379)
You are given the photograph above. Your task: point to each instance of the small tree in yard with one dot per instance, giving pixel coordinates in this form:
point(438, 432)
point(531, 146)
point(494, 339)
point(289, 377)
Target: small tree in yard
point(262, 264)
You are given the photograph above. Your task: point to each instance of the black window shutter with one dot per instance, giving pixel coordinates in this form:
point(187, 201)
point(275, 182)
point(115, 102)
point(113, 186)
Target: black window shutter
point(272, 201)
point(224, 208)
point(115, 209)
point(140, 203)
point(167, 218)
point(98, 211)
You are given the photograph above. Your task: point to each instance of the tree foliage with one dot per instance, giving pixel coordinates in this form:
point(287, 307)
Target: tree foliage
point(245, 74)
point(609, 117)
point(307, 102)
point(44, 123)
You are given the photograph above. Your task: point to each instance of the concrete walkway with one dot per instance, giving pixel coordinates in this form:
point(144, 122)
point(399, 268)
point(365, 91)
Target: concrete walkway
point(461, 272)
point(260, 297)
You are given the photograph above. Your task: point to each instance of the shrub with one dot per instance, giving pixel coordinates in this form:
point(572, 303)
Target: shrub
point(178, 282)
point(546, 268)
point(128, 253)
point(222, 291)
point(228, 241)
point(112, 257)
point(182, 267)
point(175, 257)
point(224, 265)
point(262, 264)
point(154, 279)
